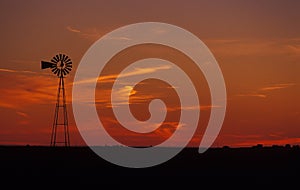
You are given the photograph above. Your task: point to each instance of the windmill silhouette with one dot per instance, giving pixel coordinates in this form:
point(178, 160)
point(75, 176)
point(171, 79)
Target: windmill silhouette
point(60, 65)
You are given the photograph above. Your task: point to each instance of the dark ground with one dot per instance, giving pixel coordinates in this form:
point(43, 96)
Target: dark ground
point(77, 166)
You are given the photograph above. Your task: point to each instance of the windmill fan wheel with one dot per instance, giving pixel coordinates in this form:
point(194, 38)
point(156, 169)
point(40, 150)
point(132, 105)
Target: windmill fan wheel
point(61, 65)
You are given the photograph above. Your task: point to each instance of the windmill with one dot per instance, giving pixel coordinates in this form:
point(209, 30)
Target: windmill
point(60, 65)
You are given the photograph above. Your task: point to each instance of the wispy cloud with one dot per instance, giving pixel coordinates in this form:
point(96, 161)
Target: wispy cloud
point(122, 94)
point(7, 70)
point(277, 87)
point(22, 90)
point(201, 107)
point(71, 29)
point(140, 71)
point(123, 38)
point(23, 114)
point(94, 33)
point(262, 92)
point(16, 71)
point(223, 41)
point(90, 33)
point(5, 104)
point(252, 95)
point(136, 71)
point(257, 47)
point(24, 120)
point(124, 91)
point(294, 48)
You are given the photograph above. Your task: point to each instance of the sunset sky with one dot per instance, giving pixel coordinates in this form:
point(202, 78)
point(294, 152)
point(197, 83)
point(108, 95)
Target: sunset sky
point(256, 43)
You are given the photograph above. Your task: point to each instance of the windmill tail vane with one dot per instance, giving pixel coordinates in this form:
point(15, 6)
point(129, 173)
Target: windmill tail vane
point(46, 65)
point(60, 65)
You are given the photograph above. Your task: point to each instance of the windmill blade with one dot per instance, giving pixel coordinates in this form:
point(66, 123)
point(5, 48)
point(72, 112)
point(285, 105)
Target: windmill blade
point(53, 60)
point(63, 57)
point(57, 57)
point(63, 71)
point(66, 71)
point(68, 60)
point(56, 71)
point(68, 68)
point(60, 57)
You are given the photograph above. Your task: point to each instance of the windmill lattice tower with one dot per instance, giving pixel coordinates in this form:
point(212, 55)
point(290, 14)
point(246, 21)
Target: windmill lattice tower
point(60, 65)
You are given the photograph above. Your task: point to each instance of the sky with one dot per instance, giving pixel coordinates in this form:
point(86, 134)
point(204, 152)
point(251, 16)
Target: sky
point(256, 44)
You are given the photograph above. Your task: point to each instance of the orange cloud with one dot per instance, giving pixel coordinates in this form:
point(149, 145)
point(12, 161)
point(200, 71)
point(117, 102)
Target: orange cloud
point(294, 48)
point(22, 114)
point(255, 47)
point(117, 38)
point(16, 71)
point(277, 87)
point(137, 71)
point(23, 89)
point(201, 107)
point(259, 93)
point(252, 95)
point(89, 33)
point(71, 29)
